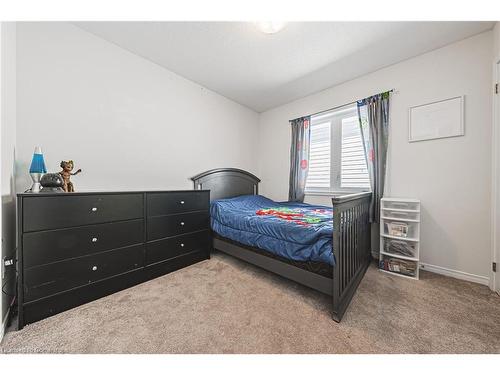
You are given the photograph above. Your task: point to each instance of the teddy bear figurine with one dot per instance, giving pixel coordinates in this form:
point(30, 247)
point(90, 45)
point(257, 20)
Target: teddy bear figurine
point(66, 174)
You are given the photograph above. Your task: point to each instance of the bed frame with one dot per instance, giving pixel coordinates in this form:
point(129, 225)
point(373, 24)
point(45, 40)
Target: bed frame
point(351, 238)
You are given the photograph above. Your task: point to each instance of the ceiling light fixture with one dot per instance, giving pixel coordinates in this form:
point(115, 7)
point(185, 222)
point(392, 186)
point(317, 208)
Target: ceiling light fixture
point(270, 27)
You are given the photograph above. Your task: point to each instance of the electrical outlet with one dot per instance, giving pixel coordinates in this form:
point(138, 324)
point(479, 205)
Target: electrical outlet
point(6, 262)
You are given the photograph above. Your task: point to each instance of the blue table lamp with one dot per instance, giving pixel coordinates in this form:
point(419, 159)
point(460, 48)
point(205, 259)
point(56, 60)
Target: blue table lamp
point(37, 169)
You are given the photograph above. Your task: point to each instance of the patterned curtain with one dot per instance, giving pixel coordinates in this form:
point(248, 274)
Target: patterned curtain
point(373, 115)
point(299, 158)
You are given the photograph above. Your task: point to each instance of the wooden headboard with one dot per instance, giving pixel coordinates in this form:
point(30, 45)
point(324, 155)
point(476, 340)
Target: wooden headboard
point(227, 183)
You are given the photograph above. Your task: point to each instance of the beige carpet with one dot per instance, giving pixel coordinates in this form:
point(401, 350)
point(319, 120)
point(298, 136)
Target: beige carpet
point(223, 305)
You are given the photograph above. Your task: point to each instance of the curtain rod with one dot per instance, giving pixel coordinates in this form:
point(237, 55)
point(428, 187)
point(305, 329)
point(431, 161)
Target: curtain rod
point(337, 107)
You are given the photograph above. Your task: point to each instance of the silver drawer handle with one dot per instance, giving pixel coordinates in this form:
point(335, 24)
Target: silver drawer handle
point(182, 223)
point(94, 209)
point(182, 202)
point(94, 268)
point(94, 239)
point(182, 245)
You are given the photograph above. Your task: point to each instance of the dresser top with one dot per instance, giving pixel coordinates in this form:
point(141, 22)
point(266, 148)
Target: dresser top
point(97, 192)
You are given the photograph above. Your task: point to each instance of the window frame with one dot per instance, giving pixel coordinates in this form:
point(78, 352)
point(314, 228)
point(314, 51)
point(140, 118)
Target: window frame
point(335, 118)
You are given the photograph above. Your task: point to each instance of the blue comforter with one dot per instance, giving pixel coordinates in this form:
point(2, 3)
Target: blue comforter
point(291, 230)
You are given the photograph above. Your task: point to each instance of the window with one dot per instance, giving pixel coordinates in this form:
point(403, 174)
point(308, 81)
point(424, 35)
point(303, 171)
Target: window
point(337, 156)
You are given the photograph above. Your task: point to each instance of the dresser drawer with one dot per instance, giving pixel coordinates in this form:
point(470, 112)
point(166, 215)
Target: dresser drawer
point(172, 247)
point(57, 277)
point(177, 202)
point(56, 245)
point(173, 225)
point(66, 210)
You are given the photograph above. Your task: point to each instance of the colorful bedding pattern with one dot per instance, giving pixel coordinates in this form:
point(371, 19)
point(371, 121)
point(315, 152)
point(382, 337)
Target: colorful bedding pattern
point(296, 231)
point(300, 216)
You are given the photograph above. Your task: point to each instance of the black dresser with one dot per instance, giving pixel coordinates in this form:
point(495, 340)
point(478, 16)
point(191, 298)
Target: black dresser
point(77, 247)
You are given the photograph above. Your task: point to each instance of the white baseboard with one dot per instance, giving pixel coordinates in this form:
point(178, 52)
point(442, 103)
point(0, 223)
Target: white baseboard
point(456, 274)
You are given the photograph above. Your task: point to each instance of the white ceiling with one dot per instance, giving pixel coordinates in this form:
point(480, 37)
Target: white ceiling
point(263, 71)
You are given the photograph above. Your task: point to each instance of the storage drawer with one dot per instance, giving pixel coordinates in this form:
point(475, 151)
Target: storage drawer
point(400, 215)
point(400, 229)
point(69, 210)
point(173, 225)
point(161, 250)
point(53, 278)
point(57, 303)
point(400, 266)
point(397, 205)
point(56, 245)
point(399, 247)
point(177, 202)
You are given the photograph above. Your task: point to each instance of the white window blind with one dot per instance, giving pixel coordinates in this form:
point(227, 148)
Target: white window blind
point(337, 157)
point(319, 156)
point(354, 173)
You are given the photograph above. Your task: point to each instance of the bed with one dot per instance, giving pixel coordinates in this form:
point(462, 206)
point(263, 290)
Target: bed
point(294, 240)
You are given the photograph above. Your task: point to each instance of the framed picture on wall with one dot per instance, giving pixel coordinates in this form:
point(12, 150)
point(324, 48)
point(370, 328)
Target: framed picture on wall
point(439, 119)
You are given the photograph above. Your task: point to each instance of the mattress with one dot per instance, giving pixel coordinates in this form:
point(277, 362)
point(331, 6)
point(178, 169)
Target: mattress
point(294, 231)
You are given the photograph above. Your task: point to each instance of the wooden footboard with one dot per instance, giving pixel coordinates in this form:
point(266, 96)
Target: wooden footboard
point(351, 247)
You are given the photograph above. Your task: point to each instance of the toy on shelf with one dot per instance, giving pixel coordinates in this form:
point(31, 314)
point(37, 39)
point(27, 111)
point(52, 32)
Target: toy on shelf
point(66, 174)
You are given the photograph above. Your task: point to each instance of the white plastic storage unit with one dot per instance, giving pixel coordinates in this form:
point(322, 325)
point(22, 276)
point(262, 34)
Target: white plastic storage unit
point(400, 237)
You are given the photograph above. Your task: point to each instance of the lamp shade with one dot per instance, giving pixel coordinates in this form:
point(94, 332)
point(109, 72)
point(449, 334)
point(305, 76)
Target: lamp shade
point(37, 163)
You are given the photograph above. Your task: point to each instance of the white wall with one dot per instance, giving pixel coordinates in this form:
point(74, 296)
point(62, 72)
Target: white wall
point(7, 150)
point(452, 177)
point(127, 122)
point(496, 161)
point(496, 41)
